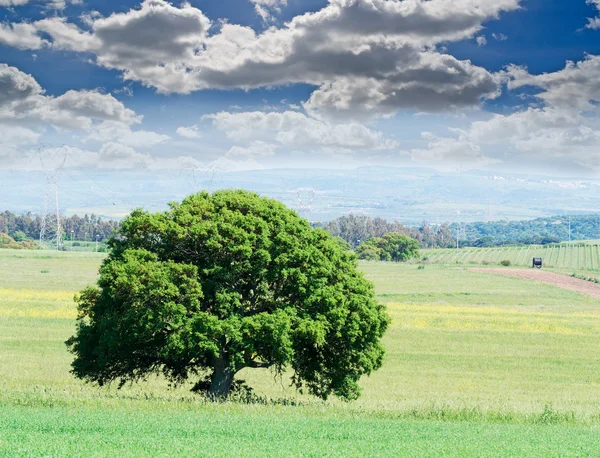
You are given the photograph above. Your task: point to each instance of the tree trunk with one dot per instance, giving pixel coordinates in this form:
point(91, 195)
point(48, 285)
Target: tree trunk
point(221, 379)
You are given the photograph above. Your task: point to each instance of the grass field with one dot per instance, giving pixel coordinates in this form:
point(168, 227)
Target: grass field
point(477, 365)
point(580, 255)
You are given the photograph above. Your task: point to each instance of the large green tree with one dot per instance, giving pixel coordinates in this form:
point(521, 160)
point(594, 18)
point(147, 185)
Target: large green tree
point(222, 282)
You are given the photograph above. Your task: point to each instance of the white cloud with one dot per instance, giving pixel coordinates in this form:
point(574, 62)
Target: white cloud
point(15, 135)
point(114, 131)
point(266, 8)
point(433, 83)
point(291, 128)
point(21, 36)
point(566, 125)
point(594, 23)
point(499, 37)
point(51, 4)
point(576, 87)
point(22, 101)
point(343, 48)
point(443, 152)
point(25, 110)
point(481, 40)
point(225, 164)
point(255, 150)
point(191, 132)
point(115, 155)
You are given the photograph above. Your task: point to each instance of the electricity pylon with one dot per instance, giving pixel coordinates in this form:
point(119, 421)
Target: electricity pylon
point(52, 160)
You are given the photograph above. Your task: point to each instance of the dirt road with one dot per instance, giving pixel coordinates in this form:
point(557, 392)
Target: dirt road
point(551, 278)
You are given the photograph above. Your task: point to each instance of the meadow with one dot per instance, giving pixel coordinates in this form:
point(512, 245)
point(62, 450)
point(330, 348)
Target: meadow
point(578, 255)
point(477, 365)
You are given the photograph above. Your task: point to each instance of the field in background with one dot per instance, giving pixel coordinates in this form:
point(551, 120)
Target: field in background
point(477, 365)
point(579, 255)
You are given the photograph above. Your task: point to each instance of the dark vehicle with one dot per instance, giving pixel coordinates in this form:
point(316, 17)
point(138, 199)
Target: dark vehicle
point(537, 263)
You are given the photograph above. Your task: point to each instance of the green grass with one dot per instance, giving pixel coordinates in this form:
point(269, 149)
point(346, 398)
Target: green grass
point(247, 431)
point(477, 365)
point(580, 255)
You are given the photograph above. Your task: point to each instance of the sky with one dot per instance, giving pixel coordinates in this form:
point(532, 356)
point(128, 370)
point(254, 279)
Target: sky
point(233, 85)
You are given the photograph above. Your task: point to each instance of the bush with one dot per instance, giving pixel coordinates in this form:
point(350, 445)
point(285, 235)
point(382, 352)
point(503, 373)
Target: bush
point(6, 241)
point(506, 263)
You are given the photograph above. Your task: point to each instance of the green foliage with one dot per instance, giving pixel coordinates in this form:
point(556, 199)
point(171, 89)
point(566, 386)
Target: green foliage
point(505, 263)
point(6, 241)
point(224, 282)
point(19, 236)
point(355, 229)
point(541, 231)
point(28, 226)
point(369, 252)
point(393, 246)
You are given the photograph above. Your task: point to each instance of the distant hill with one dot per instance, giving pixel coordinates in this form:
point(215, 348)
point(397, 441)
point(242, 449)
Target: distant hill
point(406, 195)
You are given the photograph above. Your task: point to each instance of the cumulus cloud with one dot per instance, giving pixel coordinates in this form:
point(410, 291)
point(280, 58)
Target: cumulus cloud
point(21, 36)
point(12, 139)
point(594, 23)
point(25, 111)
point(576, 87)
point(115, 155)
point(111, 131)
point(255, 150)
point(22, 101)
point(433, 83)
point(191, 132)
point(445, 152)
point(291, 128)
point(481, 40)
point(266, 8)
point(342, 48)
point(50, 4)
point(566, 125)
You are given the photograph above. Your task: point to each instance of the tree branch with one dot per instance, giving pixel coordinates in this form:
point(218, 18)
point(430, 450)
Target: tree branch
point(257, 365)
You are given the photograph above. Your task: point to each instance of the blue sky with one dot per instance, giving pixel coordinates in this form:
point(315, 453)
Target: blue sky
point(251, 84)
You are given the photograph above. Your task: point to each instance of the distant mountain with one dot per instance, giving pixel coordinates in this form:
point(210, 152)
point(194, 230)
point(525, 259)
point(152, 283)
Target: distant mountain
point(408, 195)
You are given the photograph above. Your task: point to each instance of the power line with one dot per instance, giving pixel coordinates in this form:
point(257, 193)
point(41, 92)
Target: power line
point(52, 160)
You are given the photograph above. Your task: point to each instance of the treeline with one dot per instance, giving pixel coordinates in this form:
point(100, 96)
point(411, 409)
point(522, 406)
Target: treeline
point(28, 226)
point(356, 229)
point(540, 231)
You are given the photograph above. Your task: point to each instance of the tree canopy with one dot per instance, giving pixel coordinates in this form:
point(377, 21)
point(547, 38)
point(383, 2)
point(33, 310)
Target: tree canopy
point(391, 247)
point(225, 281)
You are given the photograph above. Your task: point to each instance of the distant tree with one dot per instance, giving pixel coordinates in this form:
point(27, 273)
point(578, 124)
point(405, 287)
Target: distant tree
point(223, 282)
point(391, 247)
point(369, 251)
point(19, 236)
point(484, 242)
point(399, 247)
point(73, 227)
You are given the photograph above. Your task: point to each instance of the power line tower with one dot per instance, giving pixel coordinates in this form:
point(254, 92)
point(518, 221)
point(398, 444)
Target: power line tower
point(52, 160)
point(306, 197)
